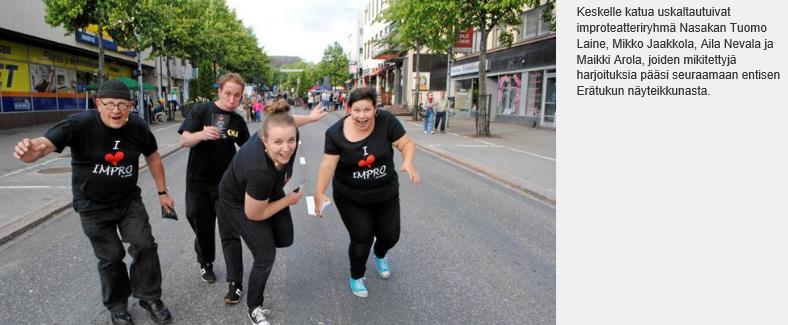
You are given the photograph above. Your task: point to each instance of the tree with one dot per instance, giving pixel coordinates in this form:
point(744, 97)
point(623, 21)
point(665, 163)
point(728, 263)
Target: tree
point(334, 65)
point(138, 25)
point(416, 25)
point(484, 15)
point(77, 14)
point(300, 81)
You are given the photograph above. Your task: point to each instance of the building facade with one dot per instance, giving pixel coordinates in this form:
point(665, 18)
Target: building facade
point(46, 74)
point(521, 79)
point(392, 72)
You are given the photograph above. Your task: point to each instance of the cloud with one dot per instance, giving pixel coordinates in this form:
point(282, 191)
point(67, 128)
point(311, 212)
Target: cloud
point(299, 27)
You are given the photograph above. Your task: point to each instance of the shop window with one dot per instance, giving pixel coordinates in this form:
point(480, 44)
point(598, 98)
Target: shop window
point(67, 96)
point(533, 97)
point(509, 87)
point(43, 82)
point(465, 95)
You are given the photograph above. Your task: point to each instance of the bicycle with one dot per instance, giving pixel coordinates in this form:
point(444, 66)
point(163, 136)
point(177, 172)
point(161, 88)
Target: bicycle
point(159, 116)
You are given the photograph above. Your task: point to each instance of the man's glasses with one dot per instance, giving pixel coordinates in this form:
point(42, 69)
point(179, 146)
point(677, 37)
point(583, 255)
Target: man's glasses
point(120, 106)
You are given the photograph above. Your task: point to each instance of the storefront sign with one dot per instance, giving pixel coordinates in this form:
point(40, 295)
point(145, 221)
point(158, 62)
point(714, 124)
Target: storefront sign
point(89, 35)
point(464, 41)
point(467, 68)
point(39, 79)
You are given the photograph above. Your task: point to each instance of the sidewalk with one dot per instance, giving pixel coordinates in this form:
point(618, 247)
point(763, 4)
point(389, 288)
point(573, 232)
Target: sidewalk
point(519, 156)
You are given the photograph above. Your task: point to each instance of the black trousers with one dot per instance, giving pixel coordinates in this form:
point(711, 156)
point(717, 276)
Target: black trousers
point(440, 118)
point(262, 238)
point(201, 214)
point(101, 228)
point(368, 223)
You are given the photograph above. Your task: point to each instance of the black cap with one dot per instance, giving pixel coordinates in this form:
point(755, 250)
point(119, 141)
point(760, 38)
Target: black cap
point(114, 89)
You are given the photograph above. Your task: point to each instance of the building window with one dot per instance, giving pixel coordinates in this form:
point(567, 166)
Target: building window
point(476, 41)
point(533, 25)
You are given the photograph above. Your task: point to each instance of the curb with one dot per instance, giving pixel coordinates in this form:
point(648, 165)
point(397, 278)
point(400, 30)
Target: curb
point(487, 172)
point(15, 229)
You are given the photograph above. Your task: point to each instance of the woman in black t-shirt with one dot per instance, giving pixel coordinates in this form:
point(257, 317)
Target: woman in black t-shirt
point(359, 156)
point(253, 202)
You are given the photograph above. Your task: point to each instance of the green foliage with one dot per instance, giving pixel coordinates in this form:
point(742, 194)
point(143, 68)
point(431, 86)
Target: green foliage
point(334, 65)
point(416, 23)
point(197, 30)
point(76, 14)
point(300, 81)
point(203, 85)
point(137, 23)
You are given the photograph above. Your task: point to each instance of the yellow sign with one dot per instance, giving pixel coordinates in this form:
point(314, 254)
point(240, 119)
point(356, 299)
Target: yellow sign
point(13, 51)
point(14, 76)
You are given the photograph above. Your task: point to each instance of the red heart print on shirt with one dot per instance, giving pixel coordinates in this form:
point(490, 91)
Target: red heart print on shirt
point(368, 162)
point(114, 159)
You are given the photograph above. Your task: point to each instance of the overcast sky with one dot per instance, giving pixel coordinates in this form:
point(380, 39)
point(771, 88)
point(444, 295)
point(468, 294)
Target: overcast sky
point(301, 28)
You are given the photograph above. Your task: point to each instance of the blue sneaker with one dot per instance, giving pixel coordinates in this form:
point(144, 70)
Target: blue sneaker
point(383, 267)
point(358, 287)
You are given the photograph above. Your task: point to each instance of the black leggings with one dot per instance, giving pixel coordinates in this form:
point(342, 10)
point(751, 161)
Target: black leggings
point(378, 222)
point(262, 238)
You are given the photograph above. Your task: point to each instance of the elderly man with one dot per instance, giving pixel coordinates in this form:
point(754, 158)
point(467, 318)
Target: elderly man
point(105, 147)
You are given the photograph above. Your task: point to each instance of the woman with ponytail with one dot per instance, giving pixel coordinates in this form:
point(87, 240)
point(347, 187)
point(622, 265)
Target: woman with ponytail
point(254, 204)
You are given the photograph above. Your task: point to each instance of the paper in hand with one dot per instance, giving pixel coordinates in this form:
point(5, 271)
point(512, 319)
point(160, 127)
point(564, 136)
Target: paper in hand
point(310, 206)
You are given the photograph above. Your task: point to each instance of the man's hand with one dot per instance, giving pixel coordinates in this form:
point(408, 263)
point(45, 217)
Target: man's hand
point(209, 133)
point(30, 150)
point(167, 202)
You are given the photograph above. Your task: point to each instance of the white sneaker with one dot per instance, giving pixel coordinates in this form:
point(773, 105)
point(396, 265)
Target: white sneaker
point(259, 316)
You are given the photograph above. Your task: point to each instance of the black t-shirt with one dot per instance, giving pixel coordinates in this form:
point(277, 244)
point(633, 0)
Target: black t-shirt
point(209, 159)
point(252, 171)
point(105, 161)
point(365, 172)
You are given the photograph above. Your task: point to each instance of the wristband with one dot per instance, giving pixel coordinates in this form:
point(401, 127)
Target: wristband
point(163, 192)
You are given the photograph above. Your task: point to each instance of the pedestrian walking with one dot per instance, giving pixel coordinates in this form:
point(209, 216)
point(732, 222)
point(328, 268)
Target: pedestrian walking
point(440, 113)
point(358, 156)
point(105, 147)
point(254, 204)
point(429, 117)
point(258, 108)
point(325, 97)
point(211, 131)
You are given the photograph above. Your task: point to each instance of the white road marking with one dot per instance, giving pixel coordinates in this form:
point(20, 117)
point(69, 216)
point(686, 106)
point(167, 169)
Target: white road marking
point(490, 144)
point(302, 160)
point(31, 167)
point(532, 154)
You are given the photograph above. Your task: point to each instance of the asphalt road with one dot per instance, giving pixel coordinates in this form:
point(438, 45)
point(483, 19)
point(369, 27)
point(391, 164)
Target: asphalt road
point(471, 251)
